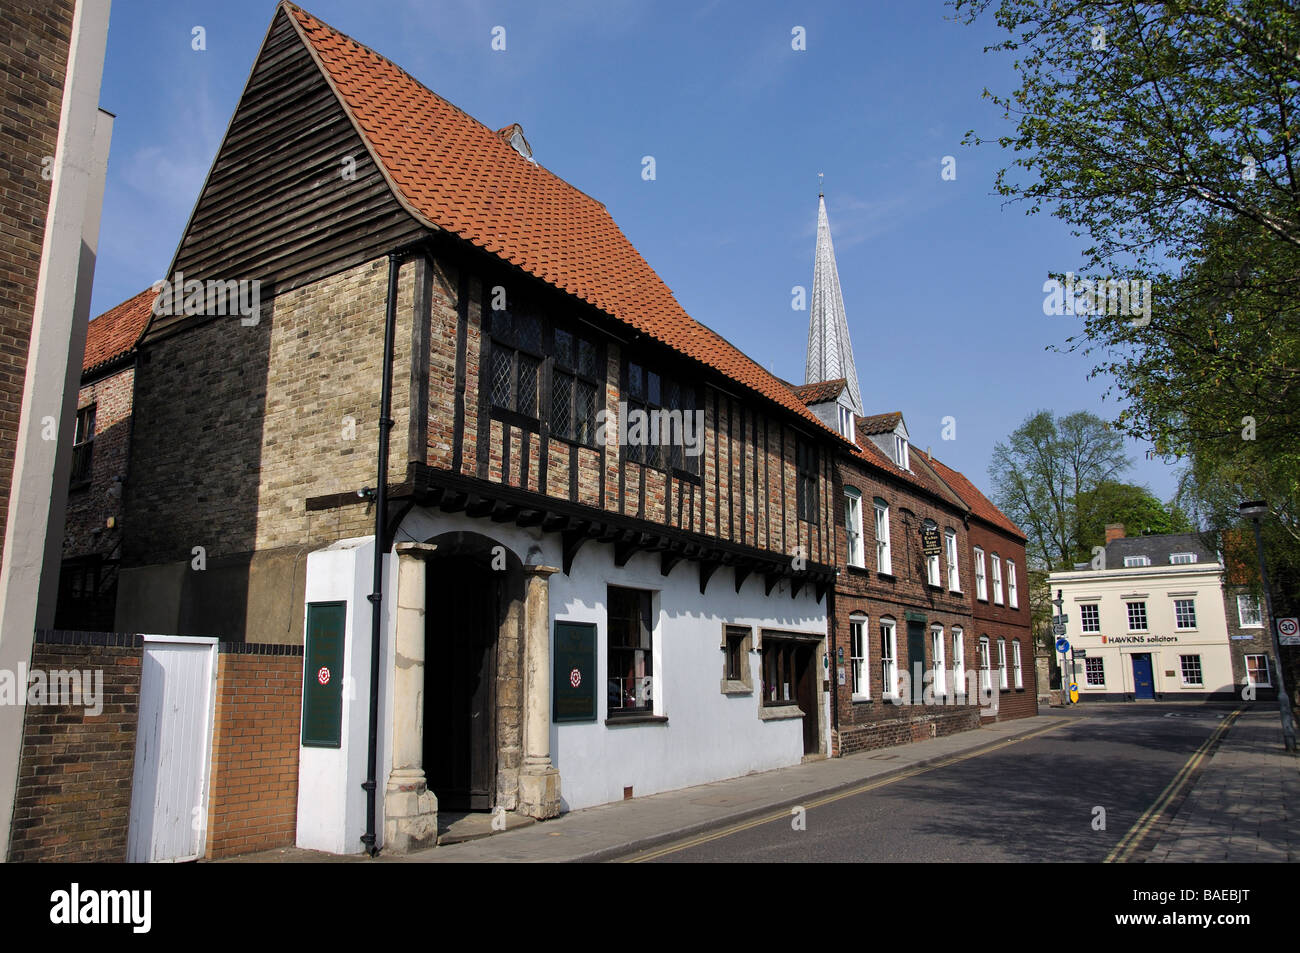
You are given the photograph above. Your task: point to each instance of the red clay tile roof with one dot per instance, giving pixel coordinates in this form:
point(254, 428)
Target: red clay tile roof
point(918, 476)
point(878, 423)
point(454, 173)
point(980, 505)
point(116, 331)
point(819, 392)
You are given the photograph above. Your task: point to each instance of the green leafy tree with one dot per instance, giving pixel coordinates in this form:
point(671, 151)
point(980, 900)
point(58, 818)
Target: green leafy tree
point(1140, 510)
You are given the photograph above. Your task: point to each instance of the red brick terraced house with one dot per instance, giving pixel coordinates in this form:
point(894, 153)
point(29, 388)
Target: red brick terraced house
point(407, 396)
point(92, 539)
point(930, 628)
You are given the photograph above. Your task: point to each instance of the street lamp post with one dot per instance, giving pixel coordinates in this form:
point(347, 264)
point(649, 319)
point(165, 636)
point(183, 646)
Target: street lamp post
point(1253, 511)
point(1059, 602)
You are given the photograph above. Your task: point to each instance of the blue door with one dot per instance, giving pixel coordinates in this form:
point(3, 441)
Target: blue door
point(1143, 686)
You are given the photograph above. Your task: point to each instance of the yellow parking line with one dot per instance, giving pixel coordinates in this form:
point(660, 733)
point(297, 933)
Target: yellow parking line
point(1130, 842)
point(838, 796)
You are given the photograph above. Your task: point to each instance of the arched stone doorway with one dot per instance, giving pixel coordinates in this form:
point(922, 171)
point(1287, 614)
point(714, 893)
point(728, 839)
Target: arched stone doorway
point(473, 676)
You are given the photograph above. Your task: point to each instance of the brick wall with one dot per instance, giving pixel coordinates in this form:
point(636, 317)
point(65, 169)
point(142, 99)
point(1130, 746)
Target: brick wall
point(74, 775)
point(75, 772)
point(253, 801)
point(875, 723)
point(34, 42)
point(91, 506)
point(1003, 622)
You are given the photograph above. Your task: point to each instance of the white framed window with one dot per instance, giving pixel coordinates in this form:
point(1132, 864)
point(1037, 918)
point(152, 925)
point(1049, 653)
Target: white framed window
point(1130, 561)
point(1015, 663)
point(884, 561)
point(1191, 670)
point(1013, 599)
point(888, 659)
point(1257, 671)
point(937, 651)
point(1002, 664)
point(986, 666)
point(1185, 613)
point(858, 655)
point(950, 549)
point(1094, 669)
point(900, 451)
point(932, 562)
point(1137, 616)
point(1090, 617)
point(853, 526)
point(1248, 613)
point(981, 582)
point(1177, 558)
point(996, 565)
point(958, 661)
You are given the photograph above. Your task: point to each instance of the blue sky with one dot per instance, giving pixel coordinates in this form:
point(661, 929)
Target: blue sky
point(942, 282)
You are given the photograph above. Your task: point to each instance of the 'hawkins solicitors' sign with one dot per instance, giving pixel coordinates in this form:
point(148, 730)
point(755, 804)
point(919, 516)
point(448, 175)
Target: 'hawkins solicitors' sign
point(1137, 639)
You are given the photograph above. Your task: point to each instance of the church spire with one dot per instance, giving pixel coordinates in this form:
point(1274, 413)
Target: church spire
point(830, 353)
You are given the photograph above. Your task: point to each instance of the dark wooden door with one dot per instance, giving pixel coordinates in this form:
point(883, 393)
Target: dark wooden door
point(460, 686)
point(916, 659)
point(805, 667)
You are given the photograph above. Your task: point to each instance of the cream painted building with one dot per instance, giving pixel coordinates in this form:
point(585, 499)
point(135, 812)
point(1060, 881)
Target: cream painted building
point(1149, 622)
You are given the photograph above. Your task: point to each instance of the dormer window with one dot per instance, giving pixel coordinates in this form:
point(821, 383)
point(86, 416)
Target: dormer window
point(900, 451)
point(1130, 561)
point(1176, 558)
point(846, 422)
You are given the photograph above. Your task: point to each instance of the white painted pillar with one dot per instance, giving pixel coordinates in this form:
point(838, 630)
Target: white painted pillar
point(410, 808)
point(62, 300)
point(539, 781)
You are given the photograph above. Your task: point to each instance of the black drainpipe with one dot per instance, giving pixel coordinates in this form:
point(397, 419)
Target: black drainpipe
point(376, 597)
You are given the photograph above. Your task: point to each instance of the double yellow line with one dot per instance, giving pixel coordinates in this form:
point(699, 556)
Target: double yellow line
point(838, 796)
point(1132, 840)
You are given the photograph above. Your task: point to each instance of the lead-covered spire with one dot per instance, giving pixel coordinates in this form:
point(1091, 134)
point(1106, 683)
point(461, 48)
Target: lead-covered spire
point(830, 352)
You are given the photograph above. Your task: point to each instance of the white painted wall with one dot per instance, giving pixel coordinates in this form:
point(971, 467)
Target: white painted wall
point(331, 802)
point(709, 736)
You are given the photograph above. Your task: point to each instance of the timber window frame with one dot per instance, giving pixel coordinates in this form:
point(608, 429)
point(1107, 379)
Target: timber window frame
point(659, 395)
point(630, 649)
point(959, 661)
point(856, 553)
point(1094, 671)
point(859, 656)
point(518, 359)
point(954, 570)
point(889, 688)
point(986, 667)
point(1253, 663)
point(1185, 614)
point(83, 446)
point(1137, 615)
point(1193, 677)
point(737, 673)
point(1017, 664)
point(884, 555)
point(939, 661)
point(807, 482)
point(1249, 615)
point(981, 579)
point(577, 386)
point(995, 564)
point(1013, 597)
point(1002, 664)
point(932, 574)
point(1089, 617)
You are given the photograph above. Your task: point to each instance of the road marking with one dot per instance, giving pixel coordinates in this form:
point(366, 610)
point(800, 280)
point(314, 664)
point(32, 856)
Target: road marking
point(838, 796)
point(1130, 842)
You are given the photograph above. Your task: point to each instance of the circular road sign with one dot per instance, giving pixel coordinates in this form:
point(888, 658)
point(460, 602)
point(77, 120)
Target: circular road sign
point(1062, 645)
point(1286, 626)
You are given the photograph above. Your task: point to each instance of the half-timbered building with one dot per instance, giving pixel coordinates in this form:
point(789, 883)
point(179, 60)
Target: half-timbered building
point(605, 536)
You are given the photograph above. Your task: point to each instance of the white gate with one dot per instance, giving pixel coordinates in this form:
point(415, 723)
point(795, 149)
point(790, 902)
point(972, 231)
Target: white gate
point(173, 749)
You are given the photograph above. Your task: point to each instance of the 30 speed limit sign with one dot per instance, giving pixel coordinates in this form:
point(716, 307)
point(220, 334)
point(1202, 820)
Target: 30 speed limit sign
point(1288, 631)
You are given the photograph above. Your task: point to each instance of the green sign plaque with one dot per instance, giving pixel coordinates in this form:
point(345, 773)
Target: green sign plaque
point(322, 687)
point(574, 672)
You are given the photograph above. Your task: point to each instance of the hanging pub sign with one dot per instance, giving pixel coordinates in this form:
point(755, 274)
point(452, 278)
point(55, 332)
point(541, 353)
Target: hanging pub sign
point(573, 678)
point(322, 682)
point(930, 545)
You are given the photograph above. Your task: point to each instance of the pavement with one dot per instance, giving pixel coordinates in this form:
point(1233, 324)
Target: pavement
point(1242, 806)
point(1245, 806)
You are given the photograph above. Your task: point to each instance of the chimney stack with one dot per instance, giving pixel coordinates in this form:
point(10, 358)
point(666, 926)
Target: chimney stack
point(1114, 531)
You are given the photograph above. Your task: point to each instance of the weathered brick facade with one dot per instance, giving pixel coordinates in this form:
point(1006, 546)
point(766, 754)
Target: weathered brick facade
point(74, 777)
point(34, 41)
point(92, 505)
point(1003, 622)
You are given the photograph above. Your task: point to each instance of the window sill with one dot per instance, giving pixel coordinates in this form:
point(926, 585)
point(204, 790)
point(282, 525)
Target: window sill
point(857, 570)
point(887, 575)
point(617, 721)
point(779, 712)
point(1186, 630)
point(731, 687)
point(862, 699)
point(980, 599)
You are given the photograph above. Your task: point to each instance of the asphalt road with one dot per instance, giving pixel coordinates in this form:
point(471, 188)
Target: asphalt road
point(1029, 801)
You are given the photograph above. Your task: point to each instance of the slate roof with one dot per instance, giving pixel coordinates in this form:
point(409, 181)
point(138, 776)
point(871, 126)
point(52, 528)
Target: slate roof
point(454, 173)
point(116, 331)
point(1157, 549)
